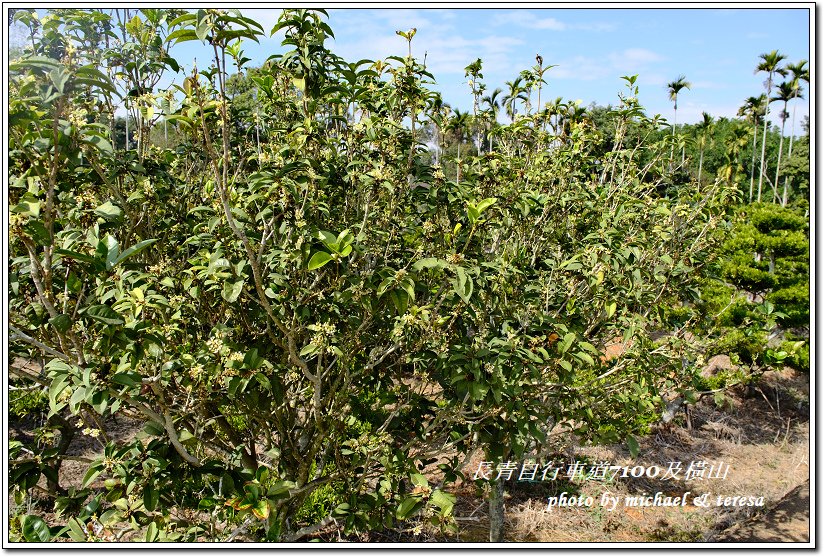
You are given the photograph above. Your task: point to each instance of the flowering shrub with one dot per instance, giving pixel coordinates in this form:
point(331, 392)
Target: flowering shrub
point(299, 302)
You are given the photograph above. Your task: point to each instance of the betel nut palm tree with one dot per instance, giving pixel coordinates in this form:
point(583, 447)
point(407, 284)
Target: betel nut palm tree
point(784, 93)
point(800, 72)
point(704, 129)
point(753, 110)
point(675, 87)
point(770, 64)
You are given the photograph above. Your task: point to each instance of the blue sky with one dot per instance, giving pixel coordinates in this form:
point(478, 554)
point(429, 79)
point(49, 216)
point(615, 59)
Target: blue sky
point(716, 49)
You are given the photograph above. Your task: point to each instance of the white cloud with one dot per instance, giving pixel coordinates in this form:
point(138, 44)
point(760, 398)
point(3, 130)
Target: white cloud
point(691, 112)
point(447, 51)
point(396, 19)
point(708, 85)
point(634, 57)
point(614, 64)
point(581, 67)
point(444, 54)
point(531, 20)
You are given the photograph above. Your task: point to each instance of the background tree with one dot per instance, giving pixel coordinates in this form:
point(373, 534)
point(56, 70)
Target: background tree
point(800, 73)
point(784, 94)
point(515, 93)
point(704, 130)
point(769, 64)
point(674, 88)
point(458, 126)
point(492, 107)
point(753, 110)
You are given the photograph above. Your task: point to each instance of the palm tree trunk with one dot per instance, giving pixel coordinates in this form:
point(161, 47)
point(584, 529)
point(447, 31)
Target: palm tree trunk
point(790, 154)
point(752, 167)
point(764, 136)
point(780, 148)
point(674, 122)
point(539, 103)
point(700, 165)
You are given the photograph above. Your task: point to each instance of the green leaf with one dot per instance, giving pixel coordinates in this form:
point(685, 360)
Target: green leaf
point(484, 204)
point(182, 35)
point(75, 255)
point(78, 396)
point(585, 357)
point(202, 30)
point(400, 298)
point(130, 379)
point(40, 62)
point(232, 289)
point(318, 260)
point(135, 249)
point(153, 428)
point(59, 77)
point(111, 248)
point(28, 205)
point(280, 488)
point(429, 263)
point(384, 286)
point(99, 142)
point(186, 437)
point(152, 533)
point(58, 385)
point(91, 474)
point(109, 211)
point(261, 509)
point(463, 284)
point(443, 500)
point(61, 322)
point(632, 444)
point(477, 390)
point(569, 338)
point(419, 479)
point(408, 507)
point(35, 529)
point(105, 314)
point(610, 307)
point(150, 497)
point(76, 531)
point(472, 213)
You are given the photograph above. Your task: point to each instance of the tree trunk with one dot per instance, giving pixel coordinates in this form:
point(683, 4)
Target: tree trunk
point(700, 166)
point(789, 154)
point(752, 167)
point(764, 136)
point(674, 122)
point(496, 511)
point(127, 128)
point(458, 164)
point(780, 148)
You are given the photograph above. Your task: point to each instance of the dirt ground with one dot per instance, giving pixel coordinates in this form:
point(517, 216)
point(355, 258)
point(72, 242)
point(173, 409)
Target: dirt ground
point(761, 433)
